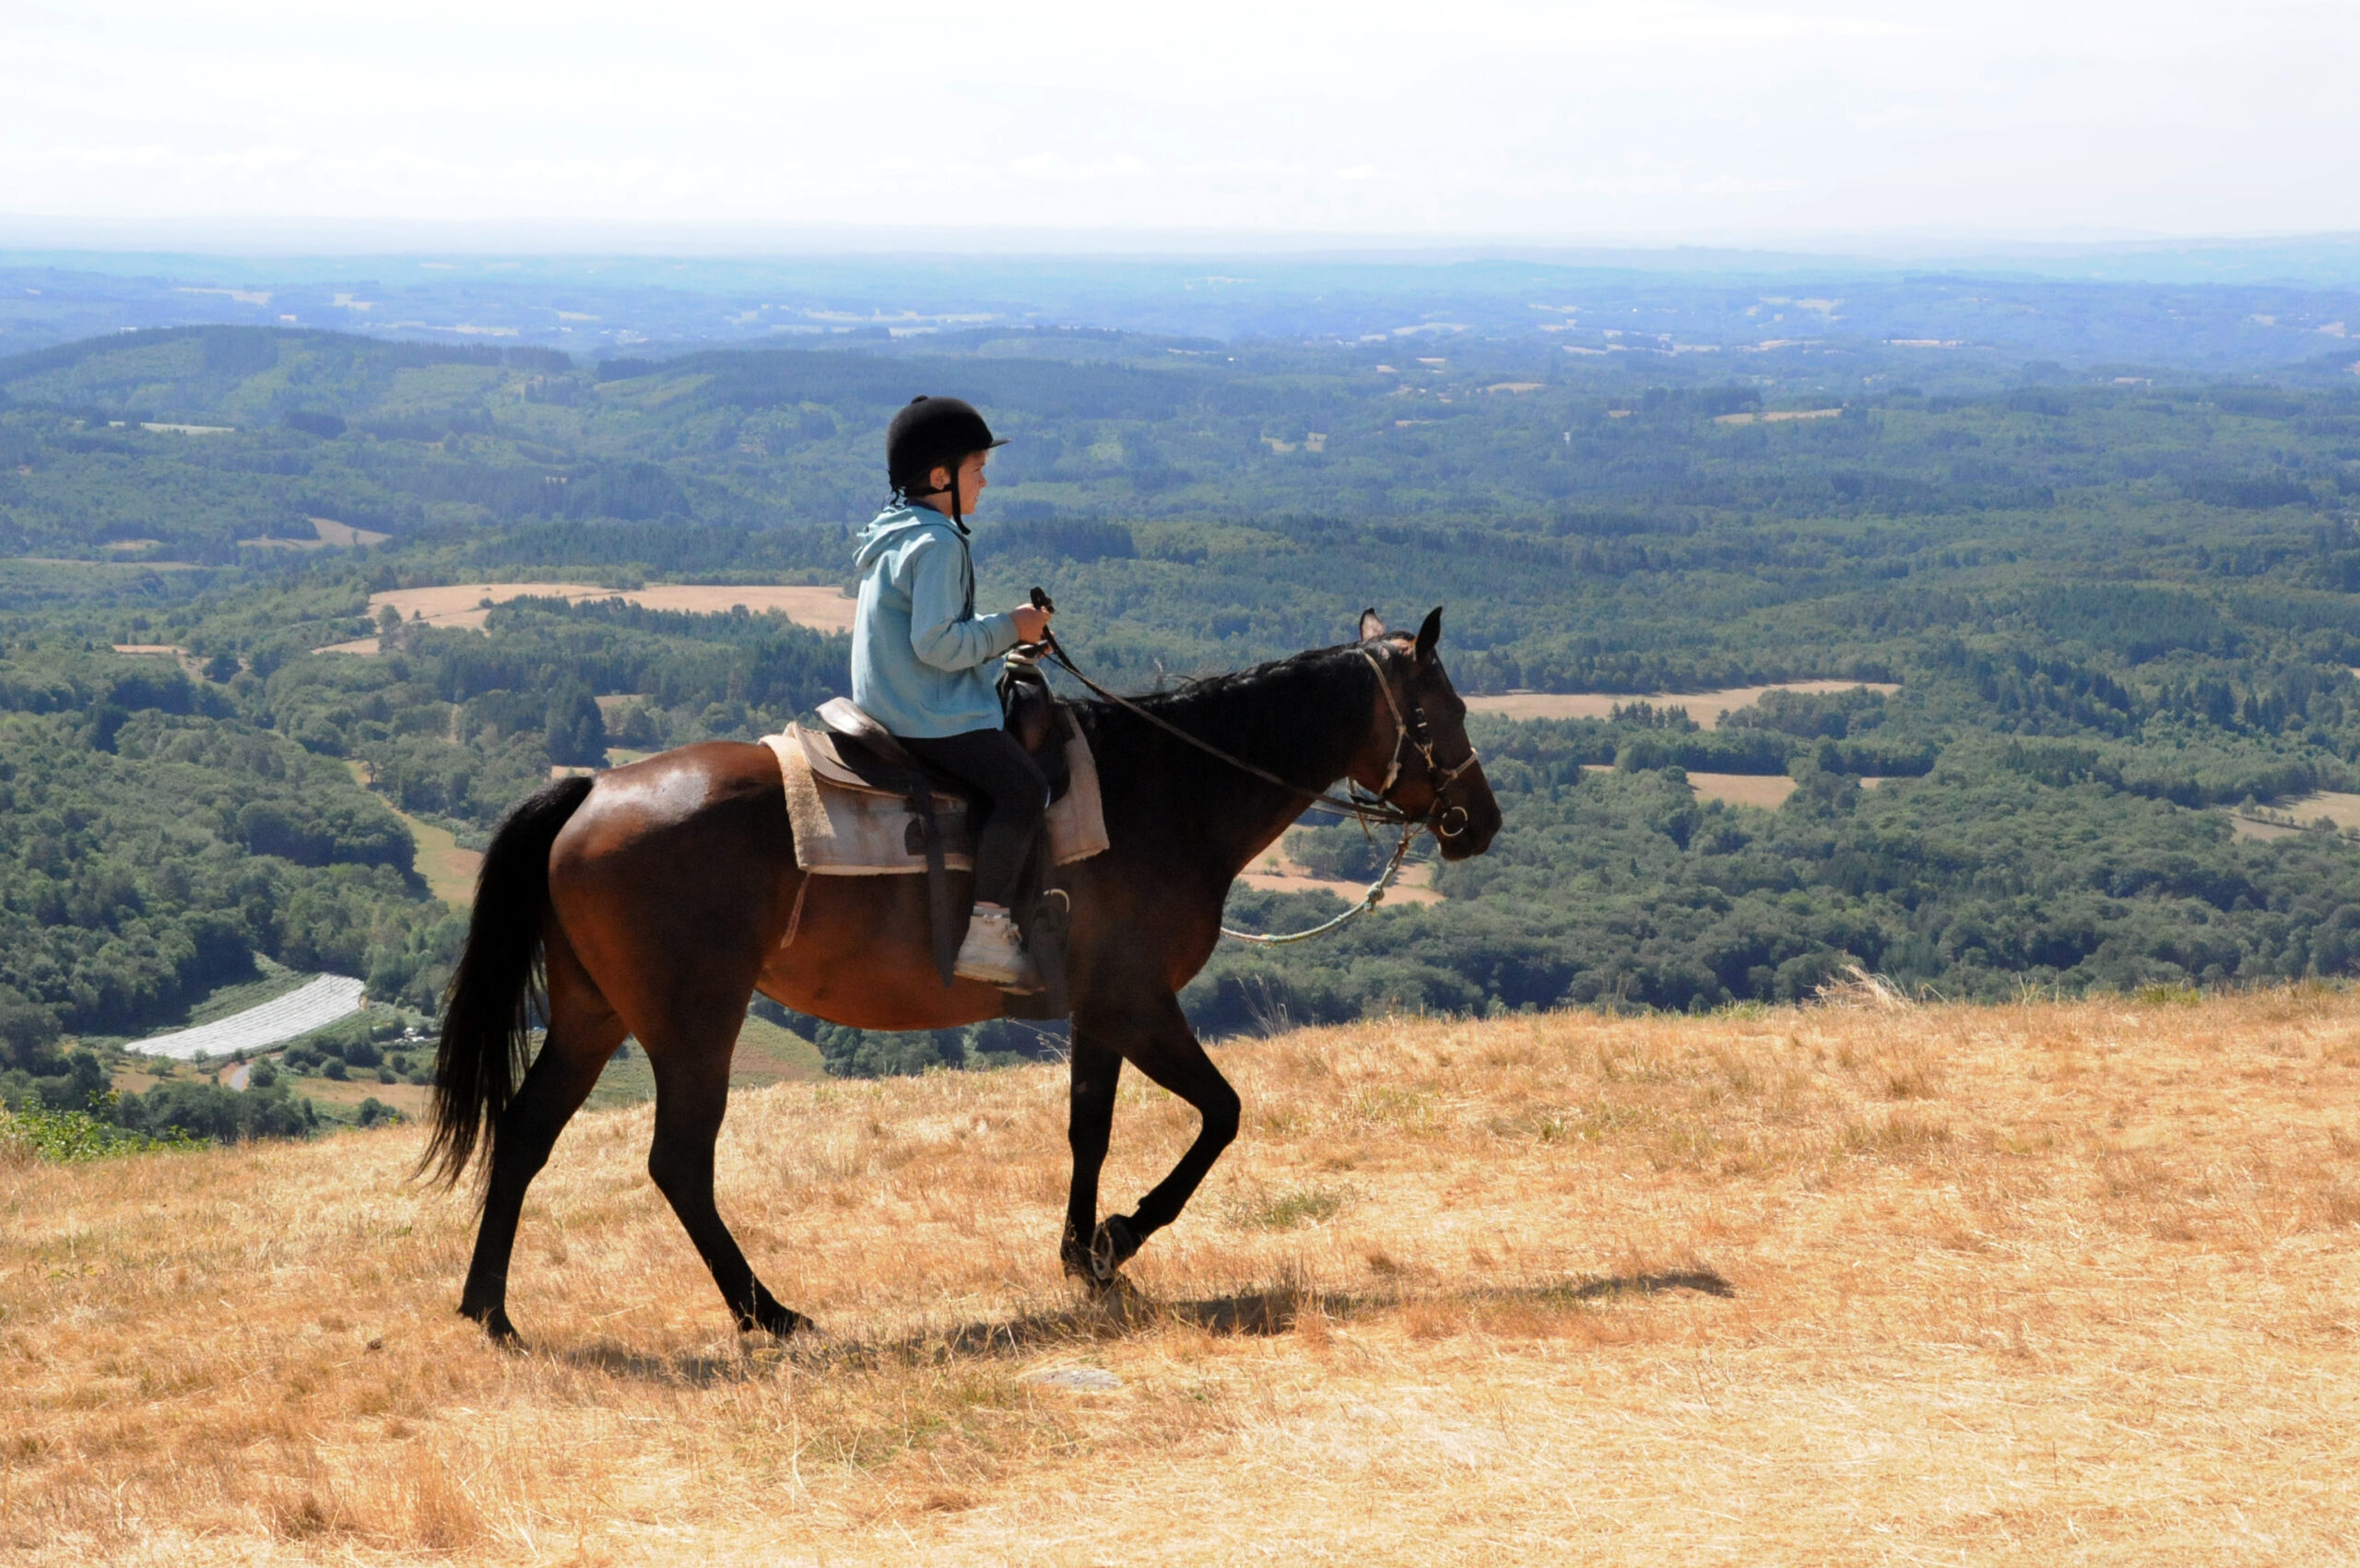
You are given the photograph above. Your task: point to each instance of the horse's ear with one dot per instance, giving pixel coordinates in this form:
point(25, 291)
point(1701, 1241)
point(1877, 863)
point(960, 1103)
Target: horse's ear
point(1370, 625)
point(1428, 635)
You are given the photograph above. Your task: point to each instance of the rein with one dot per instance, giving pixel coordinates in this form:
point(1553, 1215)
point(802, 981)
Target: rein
point(1378, 807)
point(1376, 810)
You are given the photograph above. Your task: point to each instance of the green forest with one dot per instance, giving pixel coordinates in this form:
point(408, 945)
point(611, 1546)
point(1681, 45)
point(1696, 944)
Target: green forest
point(2106, 623)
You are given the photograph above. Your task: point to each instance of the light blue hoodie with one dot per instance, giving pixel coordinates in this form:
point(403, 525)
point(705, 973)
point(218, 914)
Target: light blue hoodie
point(920, 654)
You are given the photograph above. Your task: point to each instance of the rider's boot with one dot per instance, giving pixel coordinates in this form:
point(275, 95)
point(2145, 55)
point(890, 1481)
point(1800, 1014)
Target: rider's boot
point(994, 951)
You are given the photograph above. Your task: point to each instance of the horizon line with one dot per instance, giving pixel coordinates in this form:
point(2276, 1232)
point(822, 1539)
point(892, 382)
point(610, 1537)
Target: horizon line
point(749, 240)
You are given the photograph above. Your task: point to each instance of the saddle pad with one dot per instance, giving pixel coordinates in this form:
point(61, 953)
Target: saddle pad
point(841, 832)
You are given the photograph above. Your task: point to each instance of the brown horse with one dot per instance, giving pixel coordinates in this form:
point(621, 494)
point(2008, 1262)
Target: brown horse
point(654, 900)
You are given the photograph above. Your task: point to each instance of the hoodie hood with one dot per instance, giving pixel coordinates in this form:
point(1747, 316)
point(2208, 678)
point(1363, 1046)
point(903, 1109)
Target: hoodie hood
point(894, 525)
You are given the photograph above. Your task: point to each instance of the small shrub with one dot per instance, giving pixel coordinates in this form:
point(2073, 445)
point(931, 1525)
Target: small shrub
point(333, 1067)
point(69, 1136)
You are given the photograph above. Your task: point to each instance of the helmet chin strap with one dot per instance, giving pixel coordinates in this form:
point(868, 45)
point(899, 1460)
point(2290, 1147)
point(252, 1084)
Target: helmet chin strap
point(951, 490)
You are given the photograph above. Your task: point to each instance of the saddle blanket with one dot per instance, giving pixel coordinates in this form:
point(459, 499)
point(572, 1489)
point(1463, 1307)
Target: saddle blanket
point(844, 831)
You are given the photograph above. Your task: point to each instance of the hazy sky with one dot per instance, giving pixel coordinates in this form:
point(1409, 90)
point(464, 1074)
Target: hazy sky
point(1720, 120)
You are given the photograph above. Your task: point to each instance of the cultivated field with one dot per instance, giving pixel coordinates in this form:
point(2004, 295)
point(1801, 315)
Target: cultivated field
point(313, 1006)
point(464, 604)
point(1767, 791)
point(1705, 707)
point(2030, 1284)
point(2295, 813)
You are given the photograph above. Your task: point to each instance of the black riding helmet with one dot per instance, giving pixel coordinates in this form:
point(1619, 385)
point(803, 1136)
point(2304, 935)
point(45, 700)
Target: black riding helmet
point(931, 432)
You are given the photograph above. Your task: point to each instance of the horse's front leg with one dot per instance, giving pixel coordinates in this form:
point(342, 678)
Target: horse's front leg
point(1097, 1071)
point(1167, 1050)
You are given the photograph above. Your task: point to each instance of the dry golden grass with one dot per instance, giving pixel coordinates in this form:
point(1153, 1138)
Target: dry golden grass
point(2009, 1284)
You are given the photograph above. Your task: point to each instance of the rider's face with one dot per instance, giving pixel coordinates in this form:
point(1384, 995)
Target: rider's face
point(970, 480)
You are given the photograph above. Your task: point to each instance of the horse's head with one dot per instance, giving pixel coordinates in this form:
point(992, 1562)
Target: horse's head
point(1418, 756)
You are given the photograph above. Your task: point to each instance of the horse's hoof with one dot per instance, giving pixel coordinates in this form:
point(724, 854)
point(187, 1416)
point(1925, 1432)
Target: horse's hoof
point(771, 1318)
point(783, 1322)
point(1114, 1244)
point(496, 1326)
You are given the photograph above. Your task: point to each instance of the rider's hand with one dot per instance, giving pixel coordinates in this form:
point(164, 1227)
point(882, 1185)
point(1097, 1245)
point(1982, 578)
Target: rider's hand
point(1029, 622)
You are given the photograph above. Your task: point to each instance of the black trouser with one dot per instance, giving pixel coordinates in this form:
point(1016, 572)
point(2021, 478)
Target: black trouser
point(1013, 793)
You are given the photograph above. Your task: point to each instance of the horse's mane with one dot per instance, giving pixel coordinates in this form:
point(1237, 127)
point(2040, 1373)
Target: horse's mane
point(1300, 717)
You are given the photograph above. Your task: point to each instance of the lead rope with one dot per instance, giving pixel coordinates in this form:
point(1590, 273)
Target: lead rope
point(1369, 901)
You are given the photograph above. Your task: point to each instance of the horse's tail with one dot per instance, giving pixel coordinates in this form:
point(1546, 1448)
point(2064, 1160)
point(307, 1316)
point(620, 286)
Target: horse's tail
point(487, 1013)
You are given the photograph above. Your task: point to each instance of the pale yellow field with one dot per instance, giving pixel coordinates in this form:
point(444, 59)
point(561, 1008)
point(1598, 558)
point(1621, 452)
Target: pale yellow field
point(1708, 708)
point(2291, 814)
point(1776, 416)
point(2031, 1284)
point(462, 605)
point(2337, 806)
point(1766, 790)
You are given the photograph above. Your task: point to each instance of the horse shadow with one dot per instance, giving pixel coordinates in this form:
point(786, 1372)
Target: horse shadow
point(1266, 1313)
point(1119, 1313)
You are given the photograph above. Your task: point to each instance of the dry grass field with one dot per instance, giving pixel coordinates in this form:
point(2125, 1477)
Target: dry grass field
point(2038, 1284)
point(2295, 813)
point(1769, 792)
point(465, 604)
point(1708, 708)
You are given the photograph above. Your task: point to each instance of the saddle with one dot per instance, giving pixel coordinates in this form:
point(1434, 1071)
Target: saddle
point(852, 752)
point(855, 751)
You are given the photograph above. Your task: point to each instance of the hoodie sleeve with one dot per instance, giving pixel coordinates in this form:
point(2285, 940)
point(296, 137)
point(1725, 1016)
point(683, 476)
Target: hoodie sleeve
point(942, 632)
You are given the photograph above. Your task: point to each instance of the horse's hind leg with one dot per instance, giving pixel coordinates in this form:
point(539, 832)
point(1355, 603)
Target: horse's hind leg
point(584, 1032)
point(691, 1067)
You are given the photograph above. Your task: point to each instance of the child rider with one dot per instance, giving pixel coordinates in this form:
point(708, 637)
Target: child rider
point(922, 661)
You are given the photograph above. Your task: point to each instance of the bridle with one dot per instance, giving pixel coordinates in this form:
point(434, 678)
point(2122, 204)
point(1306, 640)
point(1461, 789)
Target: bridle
point(1411, 731)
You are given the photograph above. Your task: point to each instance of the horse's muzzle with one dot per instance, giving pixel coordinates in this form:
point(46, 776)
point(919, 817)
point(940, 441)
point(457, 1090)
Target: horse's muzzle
point(1465, 831)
